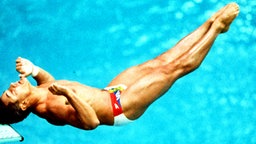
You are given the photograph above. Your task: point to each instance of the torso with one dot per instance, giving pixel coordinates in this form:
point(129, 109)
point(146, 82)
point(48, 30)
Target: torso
point(57, 110)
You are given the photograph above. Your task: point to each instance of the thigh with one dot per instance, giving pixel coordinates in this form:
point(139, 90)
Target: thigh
point(139, 96)
point(145, 83)
point(132, 74)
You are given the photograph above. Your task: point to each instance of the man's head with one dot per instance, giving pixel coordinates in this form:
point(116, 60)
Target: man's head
point(13, 102)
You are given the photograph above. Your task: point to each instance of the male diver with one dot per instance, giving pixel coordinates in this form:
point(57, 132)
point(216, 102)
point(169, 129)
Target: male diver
point(126, 97)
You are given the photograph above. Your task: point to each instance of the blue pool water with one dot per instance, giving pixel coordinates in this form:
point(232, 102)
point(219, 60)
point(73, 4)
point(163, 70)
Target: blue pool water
point(92, 41)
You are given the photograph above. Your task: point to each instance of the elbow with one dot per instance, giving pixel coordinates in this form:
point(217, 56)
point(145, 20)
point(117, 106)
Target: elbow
point(93, 125)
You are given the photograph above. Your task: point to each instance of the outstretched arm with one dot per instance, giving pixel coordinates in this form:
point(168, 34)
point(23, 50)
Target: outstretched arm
point(27, 68)
point(85, 113)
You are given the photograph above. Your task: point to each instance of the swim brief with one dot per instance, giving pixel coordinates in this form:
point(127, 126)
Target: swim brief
point(115, 93)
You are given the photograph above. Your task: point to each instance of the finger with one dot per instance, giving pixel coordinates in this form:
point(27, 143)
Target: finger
point(22, 72)
point(22, 76)
point(18, 64)
point(54, 85)
point(58, 87)
point(20, 69)
point(50, 88)
point(18, 59)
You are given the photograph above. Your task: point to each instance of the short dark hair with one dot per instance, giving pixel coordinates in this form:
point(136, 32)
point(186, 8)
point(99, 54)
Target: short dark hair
point(12, 113)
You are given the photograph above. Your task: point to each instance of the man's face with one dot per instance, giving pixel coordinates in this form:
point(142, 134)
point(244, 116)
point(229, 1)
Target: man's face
point(16, 92)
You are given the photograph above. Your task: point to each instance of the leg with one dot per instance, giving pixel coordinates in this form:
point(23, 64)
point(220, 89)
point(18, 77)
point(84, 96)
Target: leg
point(150, 80)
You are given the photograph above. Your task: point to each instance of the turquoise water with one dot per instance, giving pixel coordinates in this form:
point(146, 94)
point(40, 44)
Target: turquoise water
point(92, 41)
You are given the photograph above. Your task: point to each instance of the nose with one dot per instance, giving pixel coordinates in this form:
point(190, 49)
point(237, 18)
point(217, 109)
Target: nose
point(13, 85)
point(22, 79)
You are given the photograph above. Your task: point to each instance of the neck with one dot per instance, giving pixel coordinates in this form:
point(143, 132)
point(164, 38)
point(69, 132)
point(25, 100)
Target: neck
point(36, 97)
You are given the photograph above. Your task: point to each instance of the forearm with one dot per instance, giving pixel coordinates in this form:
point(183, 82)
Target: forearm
point(27, 68)
point(85, 112)
point(42, 76)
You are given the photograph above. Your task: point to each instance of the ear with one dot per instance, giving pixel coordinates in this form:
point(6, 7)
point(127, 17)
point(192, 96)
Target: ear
point(24, 105)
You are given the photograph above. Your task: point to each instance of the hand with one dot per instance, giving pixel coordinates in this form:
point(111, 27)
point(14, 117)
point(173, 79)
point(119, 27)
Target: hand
point(58, 89)
point(24, 66)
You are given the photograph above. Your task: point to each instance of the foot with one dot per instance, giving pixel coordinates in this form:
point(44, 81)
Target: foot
point(224, 20)
point(218, 13)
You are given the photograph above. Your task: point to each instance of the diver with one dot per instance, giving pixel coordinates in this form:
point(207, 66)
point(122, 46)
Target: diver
point(126, 97)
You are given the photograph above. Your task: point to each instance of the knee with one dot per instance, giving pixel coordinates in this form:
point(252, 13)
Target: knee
point(180, 67)
point(187, 65)
point(176, 68)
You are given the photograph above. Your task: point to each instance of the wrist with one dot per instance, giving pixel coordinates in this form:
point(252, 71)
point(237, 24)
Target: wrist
point(35, 71)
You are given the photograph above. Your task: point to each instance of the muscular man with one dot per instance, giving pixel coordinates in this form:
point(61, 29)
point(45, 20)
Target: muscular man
point(125, 99)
